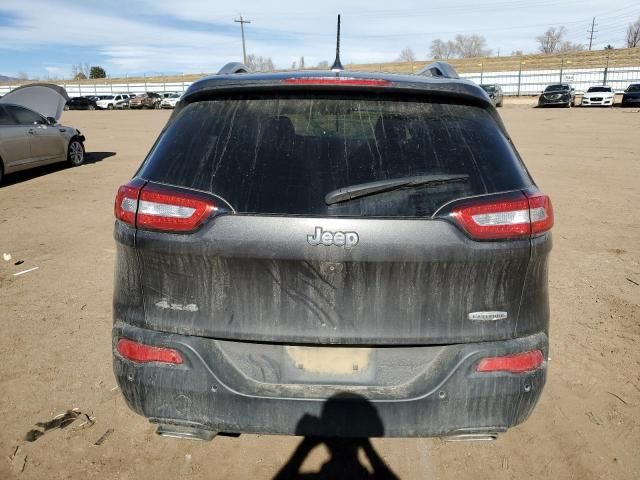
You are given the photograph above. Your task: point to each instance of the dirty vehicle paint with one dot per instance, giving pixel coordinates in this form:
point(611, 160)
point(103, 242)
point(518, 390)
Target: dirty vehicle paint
point(289, 245)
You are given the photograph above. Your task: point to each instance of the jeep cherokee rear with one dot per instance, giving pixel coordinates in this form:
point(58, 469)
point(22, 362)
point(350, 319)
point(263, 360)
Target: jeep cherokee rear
point(296, 237)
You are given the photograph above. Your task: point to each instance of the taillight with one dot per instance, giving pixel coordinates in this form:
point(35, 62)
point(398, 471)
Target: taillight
point(514, 217)
point(126, 203)
point(371, 82)
point(541, 212)
point(155, 208)
point(142, 353)
point(516, 363)
point(170, 211)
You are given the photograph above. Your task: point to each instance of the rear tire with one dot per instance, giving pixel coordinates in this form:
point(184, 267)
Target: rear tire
point(75, 152)
point(91, 107)
point(110, 106)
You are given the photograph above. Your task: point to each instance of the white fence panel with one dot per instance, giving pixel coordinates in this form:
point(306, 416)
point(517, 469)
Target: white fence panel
point(525, 82)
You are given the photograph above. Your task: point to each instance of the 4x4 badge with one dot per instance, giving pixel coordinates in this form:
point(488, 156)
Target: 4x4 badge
point(348, 240)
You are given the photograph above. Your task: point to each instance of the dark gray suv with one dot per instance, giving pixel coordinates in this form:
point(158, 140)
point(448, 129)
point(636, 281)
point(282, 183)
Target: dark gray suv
point(369, 241)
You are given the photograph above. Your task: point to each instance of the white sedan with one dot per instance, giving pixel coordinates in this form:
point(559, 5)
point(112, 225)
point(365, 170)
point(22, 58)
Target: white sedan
point(598, 96)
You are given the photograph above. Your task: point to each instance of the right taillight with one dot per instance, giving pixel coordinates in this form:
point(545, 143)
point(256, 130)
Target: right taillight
point(159, 208)
point(517, 216)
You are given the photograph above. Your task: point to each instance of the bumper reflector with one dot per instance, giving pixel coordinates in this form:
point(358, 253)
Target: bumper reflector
point(141, 353)
point(516, 363)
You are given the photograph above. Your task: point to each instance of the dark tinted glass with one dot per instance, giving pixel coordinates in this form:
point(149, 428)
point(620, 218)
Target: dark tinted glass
point(24, 116)
point(552, 88)
point(5, 118)
point(283, 155)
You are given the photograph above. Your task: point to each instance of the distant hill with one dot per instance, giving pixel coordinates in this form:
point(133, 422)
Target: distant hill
point(4, 78)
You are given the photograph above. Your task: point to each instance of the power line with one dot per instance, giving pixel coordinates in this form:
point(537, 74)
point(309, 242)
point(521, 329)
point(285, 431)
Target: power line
point(244, 50)
point(592, 32)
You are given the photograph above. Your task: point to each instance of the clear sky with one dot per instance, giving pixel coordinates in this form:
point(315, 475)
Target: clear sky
point(45, 37)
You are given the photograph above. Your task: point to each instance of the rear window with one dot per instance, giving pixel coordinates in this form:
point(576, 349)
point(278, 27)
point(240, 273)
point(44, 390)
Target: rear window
point(282, 155)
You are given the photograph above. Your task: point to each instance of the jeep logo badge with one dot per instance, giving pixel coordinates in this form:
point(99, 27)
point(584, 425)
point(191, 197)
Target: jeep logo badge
point(348, 240)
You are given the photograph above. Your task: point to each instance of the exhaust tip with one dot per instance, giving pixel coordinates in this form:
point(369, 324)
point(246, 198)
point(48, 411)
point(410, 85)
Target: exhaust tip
point(189, 433)
point(472, 437)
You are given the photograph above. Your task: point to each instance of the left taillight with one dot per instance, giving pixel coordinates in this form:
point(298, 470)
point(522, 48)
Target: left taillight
point(126, 204)
point(154, 208)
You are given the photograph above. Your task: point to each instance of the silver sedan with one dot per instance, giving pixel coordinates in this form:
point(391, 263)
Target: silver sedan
point(30, 139)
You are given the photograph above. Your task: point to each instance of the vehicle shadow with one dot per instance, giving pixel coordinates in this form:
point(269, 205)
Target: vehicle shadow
point(26, 175)
point(355, 423)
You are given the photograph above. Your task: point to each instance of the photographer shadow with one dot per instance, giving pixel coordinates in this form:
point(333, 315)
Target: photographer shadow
point(351, 420)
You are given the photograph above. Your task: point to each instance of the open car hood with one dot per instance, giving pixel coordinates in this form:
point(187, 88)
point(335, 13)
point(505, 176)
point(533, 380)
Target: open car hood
point(45, 98)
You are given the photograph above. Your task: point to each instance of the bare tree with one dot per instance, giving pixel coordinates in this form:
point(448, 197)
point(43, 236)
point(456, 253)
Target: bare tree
point(550, 40)
point(468, 46)
point(407, 55)
point(23, 76)
point(633, 34)
point(441, 49)
point(568, 46)
point(324, 65)
point(517, 53)
point(260, 63)
point(301, 63)
point(294, 65)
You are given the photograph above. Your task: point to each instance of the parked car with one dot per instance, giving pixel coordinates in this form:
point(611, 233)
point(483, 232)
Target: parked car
point(30, 135)
point(170, 100)
point(124, 103)
point(557, 95)
point(145, 100)
point(631, 96)
point(599, 95)
point(109, 102)
point(299, 239)
point(81, 103)
point(495, 93)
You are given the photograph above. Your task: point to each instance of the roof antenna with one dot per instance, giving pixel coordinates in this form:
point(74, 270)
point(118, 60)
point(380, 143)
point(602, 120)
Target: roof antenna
point(337, 65)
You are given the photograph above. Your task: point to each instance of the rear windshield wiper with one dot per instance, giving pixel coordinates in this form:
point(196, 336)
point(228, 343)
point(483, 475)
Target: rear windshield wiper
point(372, 188)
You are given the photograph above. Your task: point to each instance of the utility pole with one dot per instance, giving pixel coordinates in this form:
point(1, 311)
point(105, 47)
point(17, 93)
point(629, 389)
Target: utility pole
point(592, 31)
point(244, 50)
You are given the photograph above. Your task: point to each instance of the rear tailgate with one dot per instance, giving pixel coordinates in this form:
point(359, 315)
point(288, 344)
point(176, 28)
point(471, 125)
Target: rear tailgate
point(258, 278)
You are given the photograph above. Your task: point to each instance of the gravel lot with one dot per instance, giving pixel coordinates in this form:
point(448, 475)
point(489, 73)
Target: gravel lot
point(55, 347)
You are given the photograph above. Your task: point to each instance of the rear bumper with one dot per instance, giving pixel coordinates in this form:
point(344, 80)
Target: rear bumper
point(251, 388)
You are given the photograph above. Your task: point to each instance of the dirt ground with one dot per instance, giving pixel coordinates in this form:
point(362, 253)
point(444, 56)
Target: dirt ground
point(55, 346)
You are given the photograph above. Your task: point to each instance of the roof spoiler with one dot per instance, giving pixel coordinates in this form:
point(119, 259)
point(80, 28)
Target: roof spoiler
point(234, 67)
point(438, 69)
